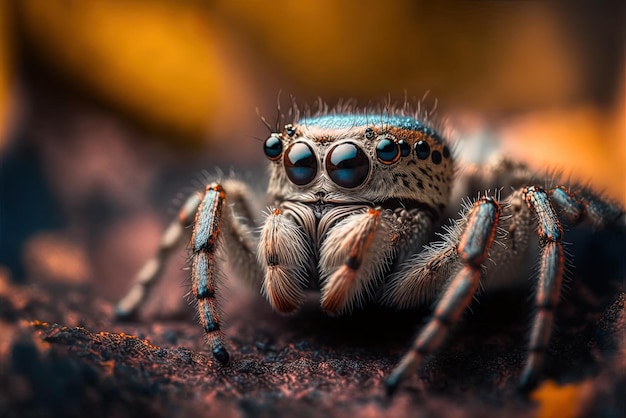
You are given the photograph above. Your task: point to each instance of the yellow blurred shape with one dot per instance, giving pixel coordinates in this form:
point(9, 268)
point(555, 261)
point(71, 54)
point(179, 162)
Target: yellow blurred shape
point(5, 66)
point(587, 144)
point(474, 51)
point(153, 59)
point(559, 401)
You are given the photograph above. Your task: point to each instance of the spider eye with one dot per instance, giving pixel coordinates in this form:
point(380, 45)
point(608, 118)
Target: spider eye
point(347, 165)
point(387, 151)
point(422, 150)
point(405, 148)
point(273, 147)
point(300, 163)
point(290, 129)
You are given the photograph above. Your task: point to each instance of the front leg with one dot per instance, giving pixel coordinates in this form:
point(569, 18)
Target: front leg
point(353, 258)
point(206, 231)
point(217, 226)
point(284, 251)
point(238, 241)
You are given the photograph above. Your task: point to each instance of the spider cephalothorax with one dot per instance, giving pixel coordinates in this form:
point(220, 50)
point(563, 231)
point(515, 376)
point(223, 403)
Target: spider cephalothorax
point(356, 196)
point(355, 158)
point(392, 173)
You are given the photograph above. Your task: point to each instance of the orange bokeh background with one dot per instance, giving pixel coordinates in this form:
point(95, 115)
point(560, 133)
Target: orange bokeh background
point(121, 102)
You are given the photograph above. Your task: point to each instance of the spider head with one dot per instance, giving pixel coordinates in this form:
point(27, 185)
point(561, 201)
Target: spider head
point(369, 158)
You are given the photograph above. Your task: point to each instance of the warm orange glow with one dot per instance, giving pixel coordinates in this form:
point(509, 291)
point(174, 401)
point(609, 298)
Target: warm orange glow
point(559, 401)
point(587, 145)
point(154, 60)
point(5, 66)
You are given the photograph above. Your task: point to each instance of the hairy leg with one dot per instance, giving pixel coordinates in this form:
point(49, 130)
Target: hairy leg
point(236, 237)
point(472, 249)
point(353, 257)
point(285, 253)
point(524, 208)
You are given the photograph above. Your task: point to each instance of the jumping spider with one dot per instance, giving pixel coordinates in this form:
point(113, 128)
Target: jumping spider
point(355, 195)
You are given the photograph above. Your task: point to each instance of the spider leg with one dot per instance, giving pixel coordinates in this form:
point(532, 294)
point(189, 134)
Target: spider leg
point(575, 210)
point(204, 240)
point(584, 205)
point(174, 237)
point(472, 250)
point(551, 267)
point(352, 257)
point(573, 204)
point(214, 225)
point(285, 253)
point(419, 280)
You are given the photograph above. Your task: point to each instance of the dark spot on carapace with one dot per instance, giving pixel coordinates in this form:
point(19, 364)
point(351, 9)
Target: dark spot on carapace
point(426, 173)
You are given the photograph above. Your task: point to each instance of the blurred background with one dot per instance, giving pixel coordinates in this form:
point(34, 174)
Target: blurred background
point(110, 109)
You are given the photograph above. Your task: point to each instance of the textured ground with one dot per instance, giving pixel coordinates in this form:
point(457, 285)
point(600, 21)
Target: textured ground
point(63, 354)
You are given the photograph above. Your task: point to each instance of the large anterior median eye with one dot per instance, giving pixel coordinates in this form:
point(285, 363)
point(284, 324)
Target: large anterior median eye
point(347, 165)
point(300, 163)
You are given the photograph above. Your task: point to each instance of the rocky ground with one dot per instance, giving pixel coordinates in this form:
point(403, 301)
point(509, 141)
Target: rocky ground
point(63, 354)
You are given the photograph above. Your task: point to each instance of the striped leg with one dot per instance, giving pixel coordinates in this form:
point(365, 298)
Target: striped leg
point(352, 258)
point(574, 208)
point(204, 240)
point(174, 238)
point(239, 242)
point(472, 250)
point(577, 207)
point(550, 279)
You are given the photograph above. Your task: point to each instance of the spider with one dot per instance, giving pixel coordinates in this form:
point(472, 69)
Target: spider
point(356, 195)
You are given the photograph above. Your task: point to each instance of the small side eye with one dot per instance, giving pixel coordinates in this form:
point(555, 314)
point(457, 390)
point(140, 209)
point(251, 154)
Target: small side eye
point(290, 129)
point(387, 151)
point(273, 148)
point(405, 148)
point(422, 150)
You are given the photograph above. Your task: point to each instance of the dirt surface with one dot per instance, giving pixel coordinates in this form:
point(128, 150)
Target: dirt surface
point(63, 354)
